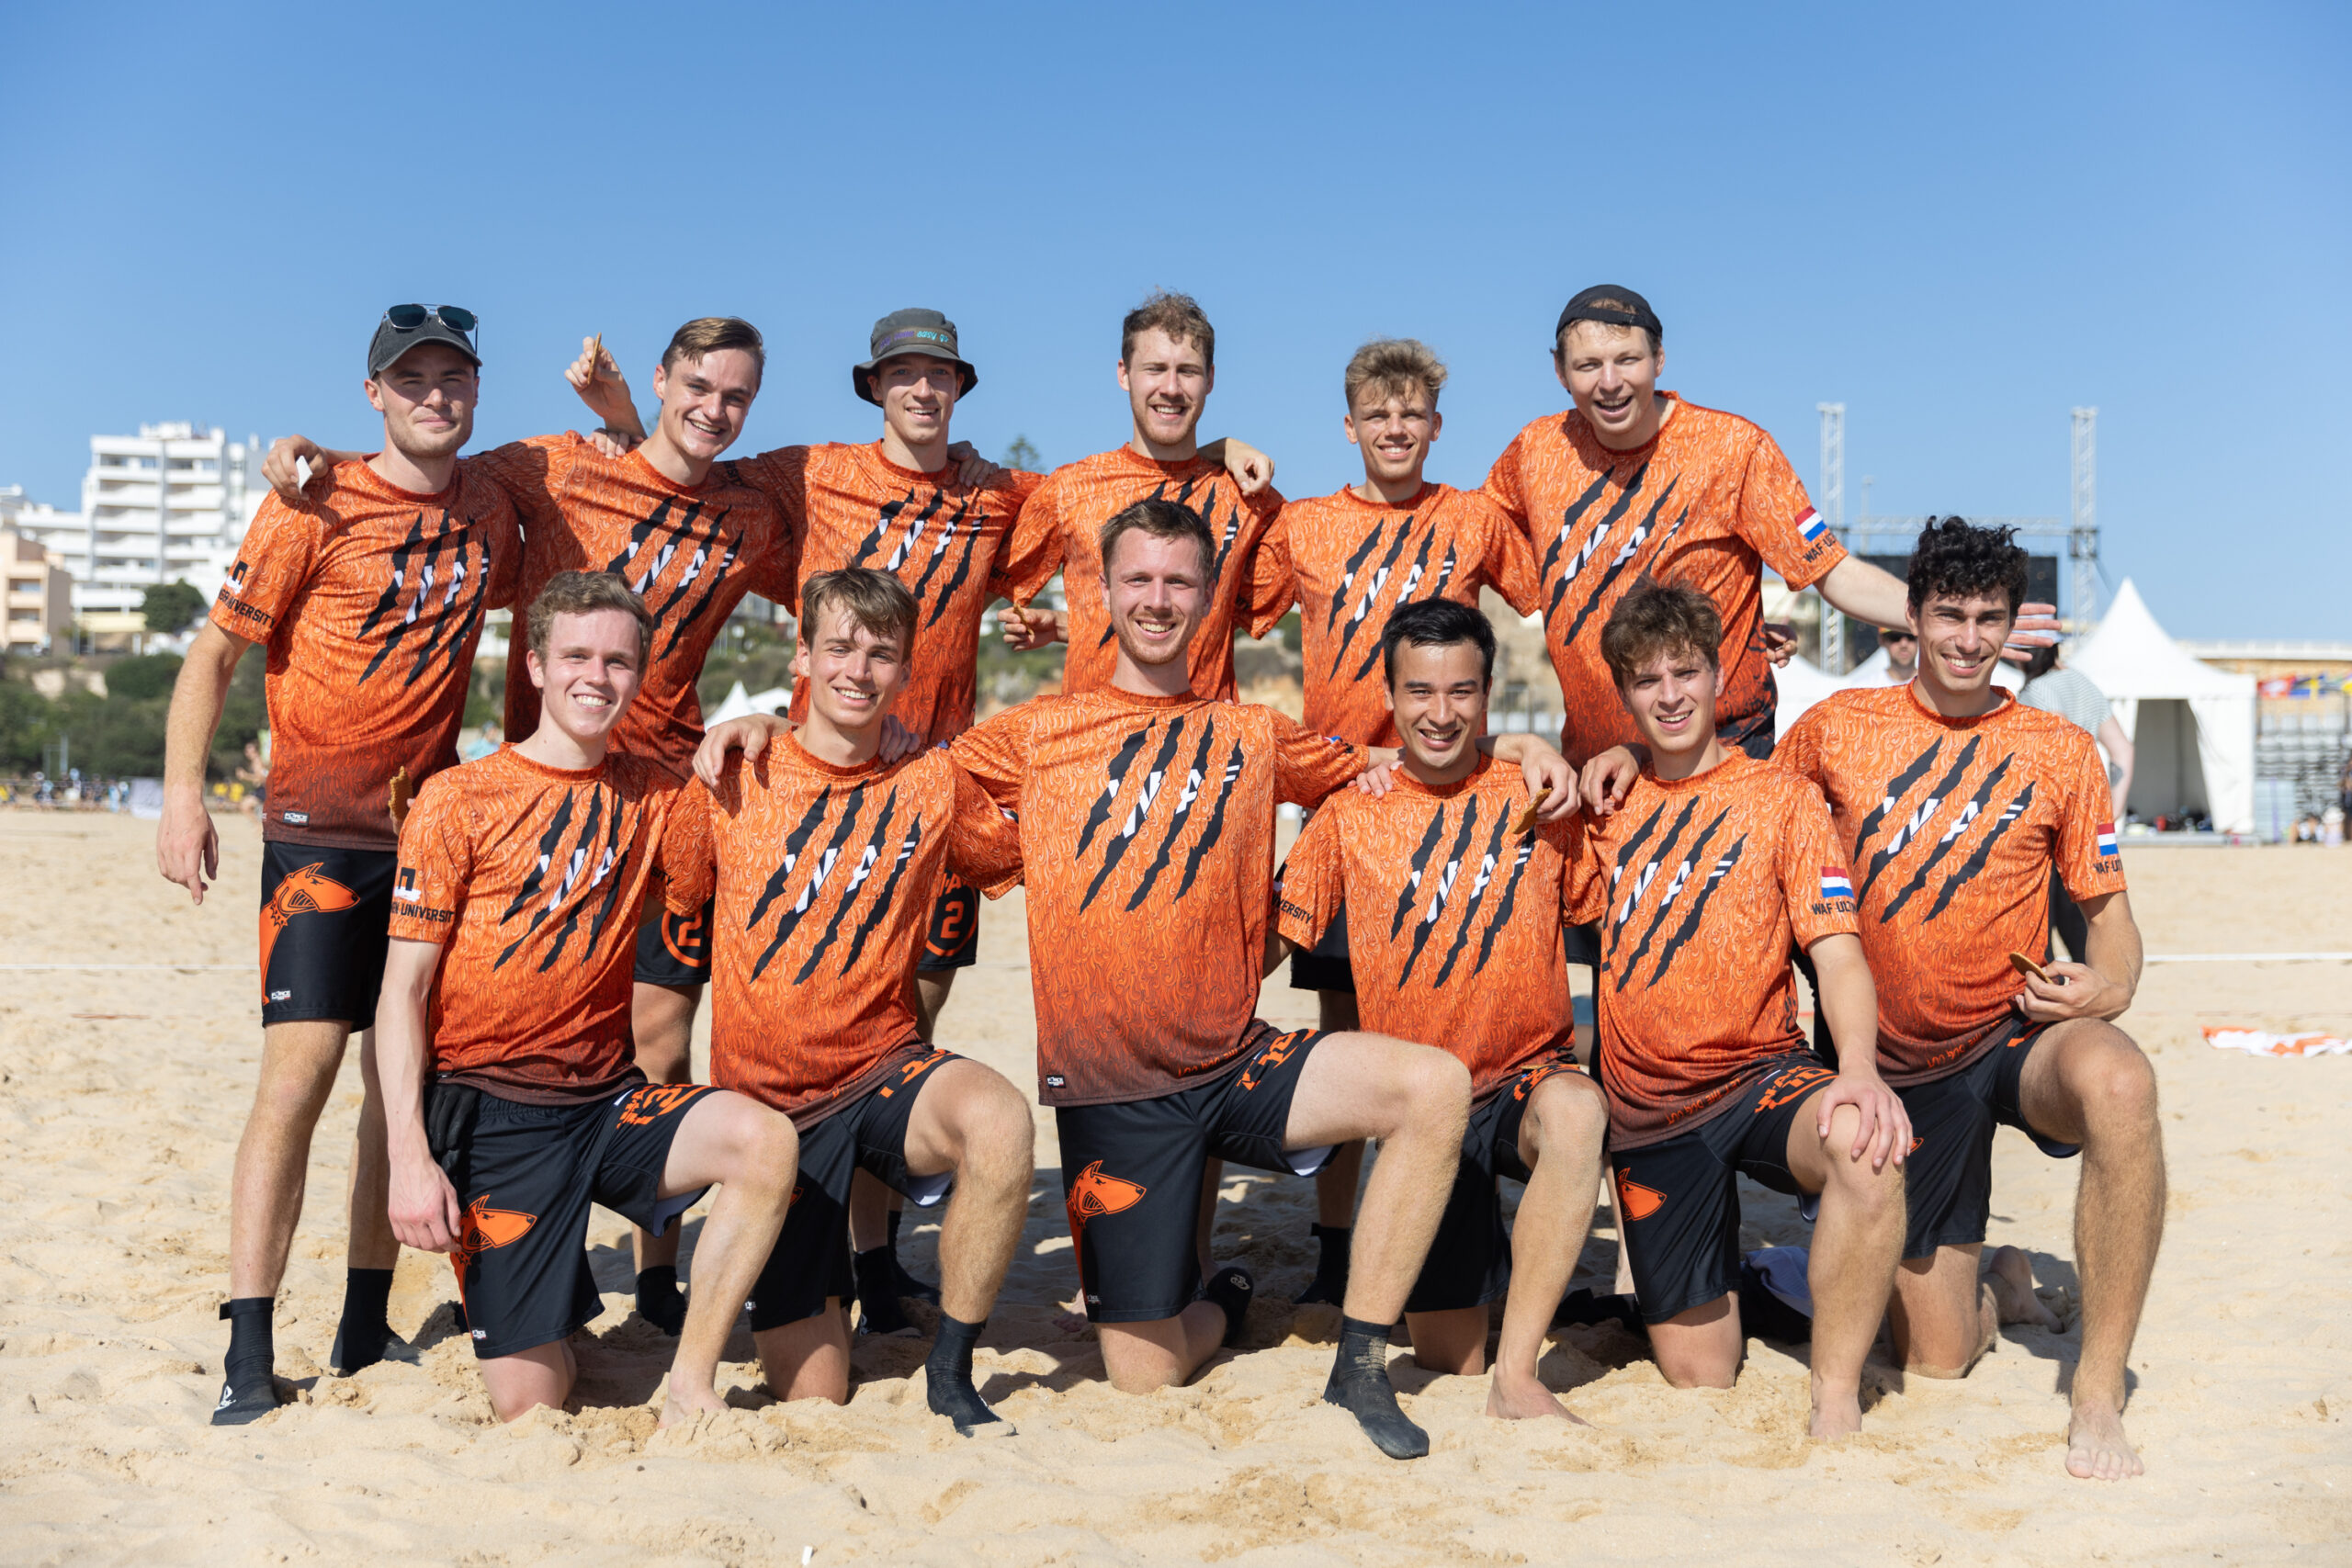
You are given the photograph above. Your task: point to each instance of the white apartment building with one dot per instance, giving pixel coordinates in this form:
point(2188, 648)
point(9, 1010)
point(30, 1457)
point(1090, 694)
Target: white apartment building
point(170, 503)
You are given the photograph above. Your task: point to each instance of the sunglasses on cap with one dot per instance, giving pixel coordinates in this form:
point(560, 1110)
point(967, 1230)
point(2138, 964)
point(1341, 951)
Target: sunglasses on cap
point(408, 318)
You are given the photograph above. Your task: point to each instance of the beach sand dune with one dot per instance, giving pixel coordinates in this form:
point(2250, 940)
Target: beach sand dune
point(122, 1091)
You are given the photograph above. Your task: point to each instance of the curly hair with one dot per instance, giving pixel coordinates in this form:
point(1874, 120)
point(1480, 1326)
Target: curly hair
point(1957, 560)
point(1655, 618)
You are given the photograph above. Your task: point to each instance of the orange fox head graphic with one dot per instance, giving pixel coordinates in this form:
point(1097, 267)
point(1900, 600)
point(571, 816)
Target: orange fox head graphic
point(1094, 1193)
point(308, 891)
point(486, 1227)
point(1639, 1203)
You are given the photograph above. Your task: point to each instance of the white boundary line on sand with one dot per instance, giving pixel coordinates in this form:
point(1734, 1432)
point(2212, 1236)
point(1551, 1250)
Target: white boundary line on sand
point(2248, 958)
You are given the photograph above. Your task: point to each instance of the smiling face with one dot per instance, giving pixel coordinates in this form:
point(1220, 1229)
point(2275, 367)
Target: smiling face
point(855, 673)
point(1902, 645)
point(706, 400)
point(1960, 641)
point(1157, 590)
point(1672, 699)
point(1611, 372)
point(589, 673)
point(1439, 695)
point(917, 393)
point(1394, 430)
point(1167, 383)
point(426, 397)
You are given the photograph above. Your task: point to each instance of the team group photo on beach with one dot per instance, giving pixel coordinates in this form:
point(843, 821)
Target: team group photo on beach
point(1311, 986)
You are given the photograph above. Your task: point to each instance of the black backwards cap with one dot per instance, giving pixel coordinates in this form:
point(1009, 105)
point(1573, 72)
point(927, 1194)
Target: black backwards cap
point(1618, 307)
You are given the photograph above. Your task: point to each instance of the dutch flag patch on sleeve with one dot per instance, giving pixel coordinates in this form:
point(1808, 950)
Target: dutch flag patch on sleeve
point(1810, 526)
point(1835, 882)
point(2105, 839)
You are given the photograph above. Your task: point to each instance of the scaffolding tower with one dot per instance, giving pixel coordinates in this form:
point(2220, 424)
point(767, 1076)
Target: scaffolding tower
point(2082, 539)
point(1833, 510)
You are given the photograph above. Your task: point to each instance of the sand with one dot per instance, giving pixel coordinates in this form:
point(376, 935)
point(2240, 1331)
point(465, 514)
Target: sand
point(122, 1093)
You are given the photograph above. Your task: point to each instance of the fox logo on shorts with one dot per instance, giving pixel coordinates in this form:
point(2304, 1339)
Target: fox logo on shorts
point(1638, 1201)
point(484, 1228)
point(1094, 1193)
point(309, 891)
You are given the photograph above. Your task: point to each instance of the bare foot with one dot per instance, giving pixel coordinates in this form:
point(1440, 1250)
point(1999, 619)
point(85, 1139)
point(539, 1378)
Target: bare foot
point(1521, 1399)
point(1834, 1418)
point(683, 1406)
point(2096, 1449)
point(2010, 1274)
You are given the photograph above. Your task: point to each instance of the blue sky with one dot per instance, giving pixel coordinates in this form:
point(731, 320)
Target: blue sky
point(1960, 223)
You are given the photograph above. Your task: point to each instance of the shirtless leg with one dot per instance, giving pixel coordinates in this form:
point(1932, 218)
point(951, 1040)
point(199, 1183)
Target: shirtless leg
point(2088, 1083)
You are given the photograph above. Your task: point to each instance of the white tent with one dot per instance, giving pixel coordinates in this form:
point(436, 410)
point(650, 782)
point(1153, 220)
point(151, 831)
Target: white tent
point(2191, 726)
point(1801, 683)
point(776, 699)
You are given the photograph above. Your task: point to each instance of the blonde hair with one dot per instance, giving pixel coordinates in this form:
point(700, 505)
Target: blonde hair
point(1394, 367)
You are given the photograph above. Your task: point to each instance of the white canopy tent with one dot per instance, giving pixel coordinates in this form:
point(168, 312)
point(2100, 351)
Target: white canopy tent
point(776, 699)
point(2191, 726)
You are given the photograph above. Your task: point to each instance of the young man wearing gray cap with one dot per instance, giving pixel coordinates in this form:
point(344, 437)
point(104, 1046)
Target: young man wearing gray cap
point(370, 592)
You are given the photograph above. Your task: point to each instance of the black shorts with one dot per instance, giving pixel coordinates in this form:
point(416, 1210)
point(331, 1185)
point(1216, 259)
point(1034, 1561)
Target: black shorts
point(674, 950)
point(811, 1260)
point(1131, 1174)
point(1326, 966)
point(326, 916)
point(1469, 1261)
point(1678, 1202)
point(527, 1175)
point(1947, 1179)
point(953, 939)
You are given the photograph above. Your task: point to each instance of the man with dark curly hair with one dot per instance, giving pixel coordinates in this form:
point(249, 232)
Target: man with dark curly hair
point(1954, 803)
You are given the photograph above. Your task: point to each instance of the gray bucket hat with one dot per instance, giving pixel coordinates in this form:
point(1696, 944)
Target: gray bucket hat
point(911, 330)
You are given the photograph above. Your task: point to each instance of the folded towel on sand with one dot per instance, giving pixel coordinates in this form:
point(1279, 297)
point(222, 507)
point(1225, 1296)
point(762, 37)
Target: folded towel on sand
point(2260, 1043)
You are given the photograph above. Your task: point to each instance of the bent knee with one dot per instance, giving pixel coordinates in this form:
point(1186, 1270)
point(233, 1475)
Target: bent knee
point(2117, 1083)
point(1568, 1106)
point(1699, 1374)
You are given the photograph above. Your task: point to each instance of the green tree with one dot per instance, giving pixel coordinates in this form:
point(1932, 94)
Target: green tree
point(244, 714)
point(170, 608)
point(144, 676)
point(1024, 453)
point(25, 720)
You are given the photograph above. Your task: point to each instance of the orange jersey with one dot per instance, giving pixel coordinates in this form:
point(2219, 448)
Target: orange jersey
point(1453, 919)
point(1349, 563)
point(1060, 530)
point(823, 878)
point(1704, 886)
point(1148, 835)
point(370, 599)
point(531, 879)
point(1703, 503)
point(948, 542)
point(692, 553)
point(1952, 826)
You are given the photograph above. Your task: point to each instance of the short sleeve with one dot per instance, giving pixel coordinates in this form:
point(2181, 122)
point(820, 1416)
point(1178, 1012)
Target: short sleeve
point(1273, 579)
point(689, 849)
point(995, 754)
point(1815, 879)
point(1311, 885)
point(1509, 556)
point(2089, 862)
point(776, 561)
point(983, 843)
point(1036, 550)
point(1504, 487)
point(435, 863)
point(1011, 568)
point(502, 540)
point(782, 476)
point(1778, 523)
point(532, 473)
point(273, 566)
point(1584, 890)
point(1309, 767)
point(1800, 749)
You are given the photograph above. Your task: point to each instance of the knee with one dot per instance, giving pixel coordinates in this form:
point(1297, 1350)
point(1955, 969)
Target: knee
point(771, 1150)
point(2117, 1084)
point(1437, 1088)
point(1699, 1371)
point(1001, 1133)
point(1568, 1109)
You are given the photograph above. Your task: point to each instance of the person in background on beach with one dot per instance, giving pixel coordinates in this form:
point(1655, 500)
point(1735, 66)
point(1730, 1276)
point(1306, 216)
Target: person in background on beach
point(513, 1097)
point(2052, 687)
point(369, 593)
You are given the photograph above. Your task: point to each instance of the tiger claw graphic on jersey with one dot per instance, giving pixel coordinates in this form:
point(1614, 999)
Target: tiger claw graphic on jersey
point(455, 560)
point(597, 850)
point(483, 1228)
point(307, 891)
point(710, 551)
point(1638, 1201)
point(1141, 801)
point(1092, 1195)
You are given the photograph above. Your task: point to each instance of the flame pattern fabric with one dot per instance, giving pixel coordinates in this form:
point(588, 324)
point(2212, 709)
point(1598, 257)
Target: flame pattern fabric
point(1950, 828)
point(370, 600)
point(531, 880)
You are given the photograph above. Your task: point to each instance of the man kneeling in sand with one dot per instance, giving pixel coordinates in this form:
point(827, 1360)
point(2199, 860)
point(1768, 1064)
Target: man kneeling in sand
point(1714, 867)
point(824, 856)
point(522, 877)
point(1956, 802)
point(1456, 943)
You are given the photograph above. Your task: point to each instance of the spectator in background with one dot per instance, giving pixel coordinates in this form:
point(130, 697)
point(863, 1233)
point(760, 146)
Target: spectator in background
point(2070, 694)
point(483, 744)
point(1902, 645)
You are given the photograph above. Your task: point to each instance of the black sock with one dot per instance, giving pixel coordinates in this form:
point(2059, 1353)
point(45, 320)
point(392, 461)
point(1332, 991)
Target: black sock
point(247, 1391)
point(921, 1290)
point(947, 1373)
point(1330, 1285)
point(877, 1293)
point(658, 1299)
point(360, 1338)
point(1359, 1385)
point(1232, 1289)
point(890, 1218)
